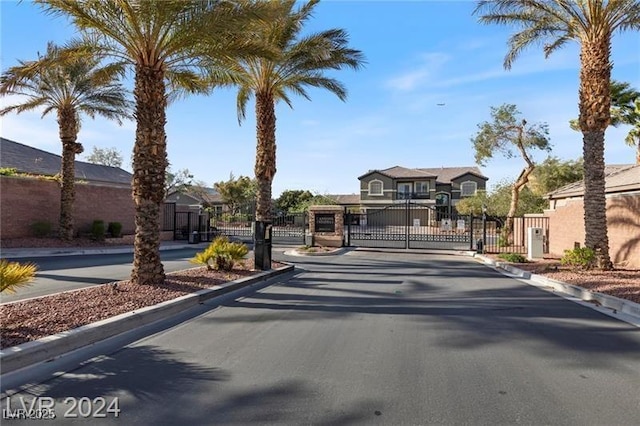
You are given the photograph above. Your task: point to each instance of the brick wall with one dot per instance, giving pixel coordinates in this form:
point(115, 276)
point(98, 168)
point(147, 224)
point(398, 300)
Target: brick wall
point(566, 227)
point(24, 201)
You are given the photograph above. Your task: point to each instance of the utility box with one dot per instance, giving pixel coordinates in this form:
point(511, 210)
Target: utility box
point(535, 243)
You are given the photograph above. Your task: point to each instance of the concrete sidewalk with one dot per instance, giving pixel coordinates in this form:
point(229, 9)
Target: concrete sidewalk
point(15, 253)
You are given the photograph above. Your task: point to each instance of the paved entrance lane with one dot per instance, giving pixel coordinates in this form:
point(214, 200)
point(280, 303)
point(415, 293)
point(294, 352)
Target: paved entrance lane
point(377, 338)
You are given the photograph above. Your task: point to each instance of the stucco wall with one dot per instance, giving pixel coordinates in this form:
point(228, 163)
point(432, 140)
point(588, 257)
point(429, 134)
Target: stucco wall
point(24, 201)
point(566, 227)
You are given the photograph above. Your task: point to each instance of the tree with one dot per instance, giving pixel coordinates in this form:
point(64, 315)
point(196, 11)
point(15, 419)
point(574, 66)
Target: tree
point(591, 23)
point(625, 110)
point(177, 181)
point(297, 62)
point(474, 205)
point(174, 47)
point(70, 86)
point(505, 132)
point(316, 200)
point(289, 200)
point(553, 173)
point(105, 156)
point(236, 192)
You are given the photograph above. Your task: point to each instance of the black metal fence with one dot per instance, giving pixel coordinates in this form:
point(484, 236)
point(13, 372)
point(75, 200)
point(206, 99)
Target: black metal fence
point(238, 224)
point(169, 217)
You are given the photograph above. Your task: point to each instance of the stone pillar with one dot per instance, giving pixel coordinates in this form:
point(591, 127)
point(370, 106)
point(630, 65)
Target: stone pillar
point(326, 224)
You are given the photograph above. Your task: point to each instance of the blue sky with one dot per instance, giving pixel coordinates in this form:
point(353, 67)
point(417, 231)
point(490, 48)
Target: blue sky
point(419, 54)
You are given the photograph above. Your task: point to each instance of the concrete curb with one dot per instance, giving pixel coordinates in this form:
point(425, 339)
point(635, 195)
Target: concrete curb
point(296, 252)
point(625, 310)
point(51, 347)
point(21, 253)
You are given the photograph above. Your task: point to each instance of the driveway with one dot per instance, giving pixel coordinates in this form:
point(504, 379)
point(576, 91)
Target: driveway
point(373, 337)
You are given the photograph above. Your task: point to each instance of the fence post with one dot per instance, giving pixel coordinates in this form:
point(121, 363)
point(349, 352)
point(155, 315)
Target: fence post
point(471, 232)
point(406, 227)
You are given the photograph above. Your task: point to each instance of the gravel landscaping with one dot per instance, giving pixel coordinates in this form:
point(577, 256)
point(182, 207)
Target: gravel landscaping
point(622, 282)
point(36, 318)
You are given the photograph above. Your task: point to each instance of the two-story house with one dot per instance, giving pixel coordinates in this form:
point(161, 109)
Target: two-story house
point(439, 188)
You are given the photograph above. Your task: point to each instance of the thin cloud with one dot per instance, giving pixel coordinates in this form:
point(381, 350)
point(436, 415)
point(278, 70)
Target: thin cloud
point(430, 64)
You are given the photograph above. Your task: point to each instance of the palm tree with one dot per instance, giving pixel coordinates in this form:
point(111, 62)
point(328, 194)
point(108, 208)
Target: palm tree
point(170, 45)
point(298, 61)
point(625, 110)
point(68, 86)
point(591, 23)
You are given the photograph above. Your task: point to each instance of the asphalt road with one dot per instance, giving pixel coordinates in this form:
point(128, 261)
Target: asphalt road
point(62, 273)
point(371, 338)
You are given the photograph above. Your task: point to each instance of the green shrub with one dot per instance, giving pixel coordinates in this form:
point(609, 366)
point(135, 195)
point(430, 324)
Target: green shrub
point(98, 230)
point(579, 257)
point(221, 254)
point(8, 171)
point(513, 257)
point(115, 229)
point(41, 228)
point(14, 275)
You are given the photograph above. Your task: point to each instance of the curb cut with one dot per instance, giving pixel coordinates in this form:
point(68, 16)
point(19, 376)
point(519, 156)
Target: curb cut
point(48, 348)
point(629, 310)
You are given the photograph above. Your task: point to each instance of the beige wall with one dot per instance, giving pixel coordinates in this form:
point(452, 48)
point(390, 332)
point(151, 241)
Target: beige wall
point(24, 201)
point(566, 227)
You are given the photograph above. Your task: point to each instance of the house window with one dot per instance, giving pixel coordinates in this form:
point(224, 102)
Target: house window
point(404, 191)
point(468, 188)
point(422, 189)
point(375, 187)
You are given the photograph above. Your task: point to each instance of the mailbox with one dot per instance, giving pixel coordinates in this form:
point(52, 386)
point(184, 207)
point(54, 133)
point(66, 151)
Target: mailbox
point(535, 243)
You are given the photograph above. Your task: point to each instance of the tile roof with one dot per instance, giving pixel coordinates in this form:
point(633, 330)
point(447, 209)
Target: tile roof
point(31, 160)
point(442, 174)
point(447, 174)
point(618, 178)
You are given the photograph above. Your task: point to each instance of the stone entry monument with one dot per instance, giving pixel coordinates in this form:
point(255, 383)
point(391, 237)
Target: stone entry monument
point(326, 225)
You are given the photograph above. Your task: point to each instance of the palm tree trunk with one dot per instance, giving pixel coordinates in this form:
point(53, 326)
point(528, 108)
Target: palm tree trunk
point(149, 166)
point(265, 168)
point(595, 105)
point(68, 130)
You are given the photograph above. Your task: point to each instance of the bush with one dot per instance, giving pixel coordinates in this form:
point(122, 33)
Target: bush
point(41, 228)
point(8, 171)
point(14, 275)
point(513, 257)
point(221, 254)
point(98, 230)
point(115, 229)
point(580, 257)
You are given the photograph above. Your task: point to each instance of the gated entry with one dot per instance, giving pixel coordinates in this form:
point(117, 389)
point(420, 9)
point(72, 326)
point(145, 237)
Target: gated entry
point(409, 225)
point(286, 228)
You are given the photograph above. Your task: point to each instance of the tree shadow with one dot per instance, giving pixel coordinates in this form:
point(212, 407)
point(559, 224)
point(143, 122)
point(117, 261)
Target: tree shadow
point(157, 386)
point(624, 213)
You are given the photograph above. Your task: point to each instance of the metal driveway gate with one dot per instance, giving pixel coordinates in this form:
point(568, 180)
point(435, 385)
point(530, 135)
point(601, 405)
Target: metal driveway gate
point(409, 225)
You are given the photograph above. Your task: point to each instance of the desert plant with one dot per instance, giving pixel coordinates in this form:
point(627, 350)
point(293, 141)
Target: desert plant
point(41, 228)
point(513, 257)
point(14, 275)
point(221, 254)
point(115, 229)
point(579, 257)
point(98, 230)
